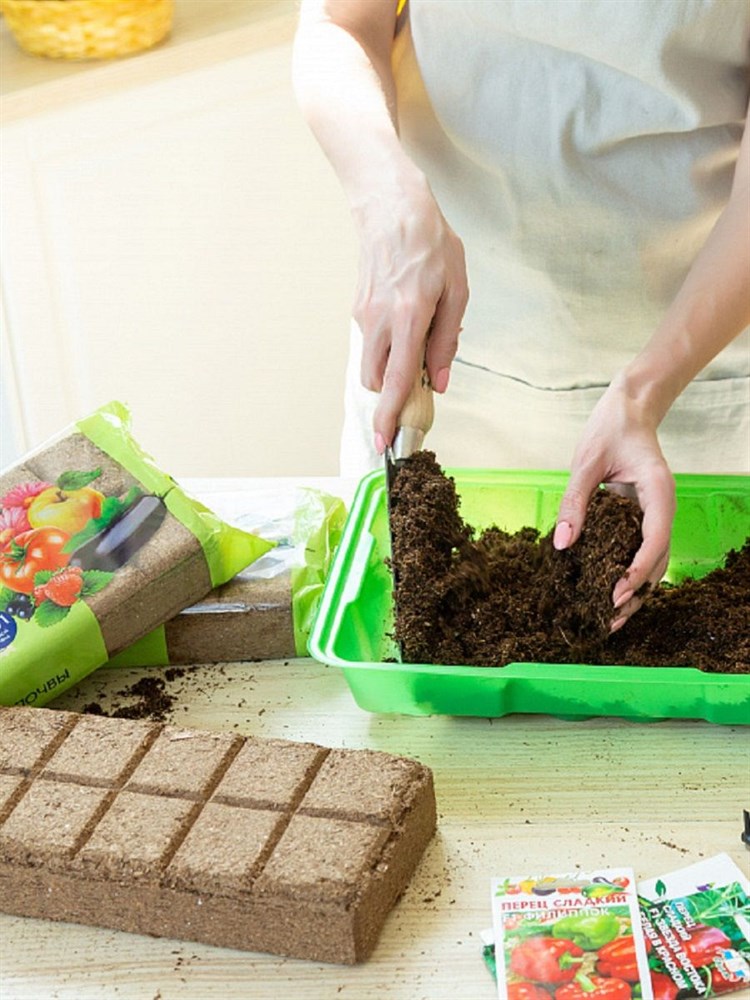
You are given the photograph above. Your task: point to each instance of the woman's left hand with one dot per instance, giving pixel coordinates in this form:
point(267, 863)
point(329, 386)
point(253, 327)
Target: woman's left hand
point(619, 447)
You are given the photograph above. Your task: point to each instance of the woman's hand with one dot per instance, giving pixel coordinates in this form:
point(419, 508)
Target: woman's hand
point(619, 444)
point(619, 447)
point(412, 274)
point(412, 279)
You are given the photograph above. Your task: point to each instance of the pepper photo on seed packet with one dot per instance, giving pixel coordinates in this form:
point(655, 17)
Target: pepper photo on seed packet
point(570, 937)
point(697, 922)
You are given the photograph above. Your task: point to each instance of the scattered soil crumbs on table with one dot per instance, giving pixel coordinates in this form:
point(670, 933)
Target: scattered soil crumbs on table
point(494, 598)
point(147, 698)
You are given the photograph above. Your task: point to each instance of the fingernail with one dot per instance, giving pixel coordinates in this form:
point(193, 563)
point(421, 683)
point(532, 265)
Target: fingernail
point(440, 384)
point(617, 623)
point(562, 536)
point(379, 443)
point(623, 599)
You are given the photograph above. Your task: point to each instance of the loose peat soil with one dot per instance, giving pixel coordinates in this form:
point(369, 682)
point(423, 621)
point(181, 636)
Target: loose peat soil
point(496, 598)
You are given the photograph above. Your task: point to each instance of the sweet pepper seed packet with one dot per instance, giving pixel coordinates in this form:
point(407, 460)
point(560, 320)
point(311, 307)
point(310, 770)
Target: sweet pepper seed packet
point(569, 937)
point(697, 922)
point(98, 547)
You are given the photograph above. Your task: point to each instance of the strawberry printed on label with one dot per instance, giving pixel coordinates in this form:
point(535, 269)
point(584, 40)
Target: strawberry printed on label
point(63, 589)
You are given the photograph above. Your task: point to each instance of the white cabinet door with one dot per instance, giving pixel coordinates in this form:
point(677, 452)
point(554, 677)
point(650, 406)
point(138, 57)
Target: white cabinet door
point(183, 246)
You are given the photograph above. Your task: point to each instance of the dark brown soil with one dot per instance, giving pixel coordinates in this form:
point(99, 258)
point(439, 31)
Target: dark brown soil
point(498, 598)
point(147, 698)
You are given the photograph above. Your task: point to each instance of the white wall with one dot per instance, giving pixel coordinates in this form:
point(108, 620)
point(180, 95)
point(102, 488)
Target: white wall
point(180, 244)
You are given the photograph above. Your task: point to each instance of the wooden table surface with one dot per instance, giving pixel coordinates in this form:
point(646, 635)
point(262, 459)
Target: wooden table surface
point(518, 794)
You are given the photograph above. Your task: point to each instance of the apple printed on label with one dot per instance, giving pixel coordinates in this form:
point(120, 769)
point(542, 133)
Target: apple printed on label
point(69, 509)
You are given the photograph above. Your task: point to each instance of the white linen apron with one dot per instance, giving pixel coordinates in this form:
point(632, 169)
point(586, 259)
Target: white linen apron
point(582, 150)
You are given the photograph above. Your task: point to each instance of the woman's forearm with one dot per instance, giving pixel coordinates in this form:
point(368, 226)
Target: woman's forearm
point(412, 271)
point(711, 308)
point(344, 86)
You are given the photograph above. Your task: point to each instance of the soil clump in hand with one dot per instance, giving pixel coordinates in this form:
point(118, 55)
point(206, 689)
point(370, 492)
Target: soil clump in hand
point(494, 597)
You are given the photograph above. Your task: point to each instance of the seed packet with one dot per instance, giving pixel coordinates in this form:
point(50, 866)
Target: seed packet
point(266, 611)
point(98, 547)
point(697, 922)
point(569, 937)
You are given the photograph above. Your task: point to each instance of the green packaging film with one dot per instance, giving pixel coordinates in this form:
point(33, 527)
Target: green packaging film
point(266, 611)
point(98, 547)
point(355, 620)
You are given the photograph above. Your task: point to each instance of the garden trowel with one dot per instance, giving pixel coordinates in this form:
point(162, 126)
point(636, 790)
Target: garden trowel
point(412, 425)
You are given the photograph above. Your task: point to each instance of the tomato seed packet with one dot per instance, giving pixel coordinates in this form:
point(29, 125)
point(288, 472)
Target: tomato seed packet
point(98, 547)
point(570, 937)
point(697, 925)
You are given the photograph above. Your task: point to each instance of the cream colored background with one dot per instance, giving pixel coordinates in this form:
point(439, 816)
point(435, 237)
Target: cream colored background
point(173, 237)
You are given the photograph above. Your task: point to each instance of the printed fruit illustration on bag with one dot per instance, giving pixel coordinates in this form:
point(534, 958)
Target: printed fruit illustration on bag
point(61, 542)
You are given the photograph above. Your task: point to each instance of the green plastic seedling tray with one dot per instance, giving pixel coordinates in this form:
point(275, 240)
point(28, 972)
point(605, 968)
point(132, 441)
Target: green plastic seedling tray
point(355, 618)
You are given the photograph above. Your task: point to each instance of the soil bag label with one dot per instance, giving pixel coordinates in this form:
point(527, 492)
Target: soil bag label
point(97, 547)
point(8, 629)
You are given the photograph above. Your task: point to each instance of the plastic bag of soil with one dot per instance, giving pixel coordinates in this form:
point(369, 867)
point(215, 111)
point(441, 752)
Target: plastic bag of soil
point(98, 547)
point(267, 610)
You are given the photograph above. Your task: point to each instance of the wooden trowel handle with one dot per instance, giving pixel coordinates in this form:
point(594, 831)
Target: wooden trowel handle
point(418, 411)
point(415, 418)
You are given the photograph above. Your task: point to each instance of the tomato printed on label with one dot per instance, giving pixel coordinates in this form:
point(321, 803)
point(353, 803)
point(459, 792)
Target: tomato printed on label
point(30, 553)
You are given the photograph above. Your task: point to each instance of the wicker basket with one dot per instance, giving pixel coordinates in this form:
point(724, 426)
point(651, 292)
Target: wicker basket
point(87, 29)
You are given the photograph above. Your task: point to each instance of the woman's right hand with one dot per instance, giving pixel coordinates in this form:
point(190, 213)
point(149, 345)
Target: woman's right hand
point(412, 273)
point(412, 279)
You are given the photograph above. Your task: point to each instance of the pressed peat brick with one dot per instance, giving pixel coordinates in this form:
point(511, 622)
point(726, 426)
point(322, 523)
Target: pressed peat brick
point(322, 859)
point(129, 546)
point(75, 451)
point(259, 626)
point(136, 601)
point(182, 762)
point(49, 821)
point(16, 475)
point(269, 774)
point(225, 849)
point(135, 836)
point(25, 738)
point(100, 751)
point(10, 785)
point(373, 784)
point(208, 848)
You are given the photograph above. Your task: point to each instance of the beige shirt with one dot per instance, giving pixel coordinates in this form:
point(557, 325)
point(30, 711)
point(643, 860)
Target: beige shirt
point(582, 149)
